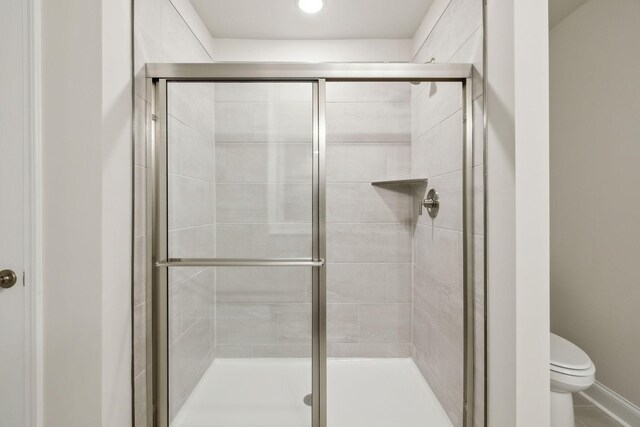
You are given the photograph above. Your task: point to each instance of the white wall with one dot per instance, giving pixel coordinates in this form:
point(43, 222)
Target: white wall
point(531, 96)
point(595, 208)
point(117, 164)
point(517, 213)
point(235, 50)
point(86, 133)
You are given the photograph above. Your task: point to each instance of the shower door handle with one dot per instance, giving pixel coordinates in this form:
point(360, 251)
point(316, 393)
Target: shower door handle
point(240, 262)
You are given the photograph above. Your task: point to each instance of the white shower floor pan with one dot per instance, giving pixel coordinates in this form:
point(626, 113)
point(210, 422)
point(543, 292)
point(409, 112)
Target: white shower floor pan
point(270, 392)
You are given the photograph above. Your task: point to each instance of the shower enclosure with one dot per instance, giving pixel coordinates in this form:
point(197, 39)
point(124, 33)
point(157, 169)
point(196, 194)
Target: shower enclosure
point(297, 246)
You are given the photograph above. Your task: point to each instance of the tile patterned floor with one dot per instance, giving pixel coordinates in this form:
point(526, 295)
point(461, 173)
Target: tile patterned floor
point(588, 415)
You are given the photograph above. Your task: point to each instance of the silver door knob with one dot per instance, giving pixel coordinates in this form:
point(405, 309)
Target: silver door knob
point(7, 279)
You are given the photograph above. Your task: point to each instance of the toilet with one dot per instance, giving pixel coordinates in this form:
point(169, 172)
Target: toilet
point(571, 371)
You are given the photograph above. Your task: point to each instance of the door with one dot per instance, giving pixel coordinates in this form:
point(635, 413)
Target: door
point(12, 291)
point(239, 247)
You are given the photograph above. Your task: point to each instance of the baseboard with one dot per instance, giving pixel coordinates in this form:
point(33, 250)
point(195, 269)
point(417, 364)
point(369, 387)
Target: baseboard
point(613, 404)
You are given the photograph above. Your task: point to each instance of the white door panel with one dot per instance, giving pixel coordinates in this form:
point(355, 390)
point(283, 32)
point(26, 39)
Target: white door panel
point(12, 214)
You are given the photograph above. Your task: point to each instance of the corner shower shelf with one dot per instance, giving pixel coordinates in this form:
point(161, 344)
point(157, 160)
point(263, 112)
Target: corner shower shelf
point(414, 181)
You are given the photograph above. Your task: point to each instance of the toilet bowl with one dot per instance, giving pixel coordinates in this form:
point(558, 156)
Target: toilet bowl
point(571, 371)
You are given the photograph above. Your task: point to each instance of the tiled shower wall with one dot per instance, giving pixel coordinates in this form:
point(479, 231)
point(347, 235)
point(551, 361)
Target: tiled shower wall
point(437, 136)
point(160, 35)
point(263, 190)
point(264, 210)
point(368, 228)
point(191, 218)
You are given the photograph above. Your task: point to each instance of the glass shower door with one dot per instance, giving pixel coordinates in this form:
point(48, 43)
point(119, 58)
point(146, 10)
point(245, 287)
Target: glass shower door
point(240, 238)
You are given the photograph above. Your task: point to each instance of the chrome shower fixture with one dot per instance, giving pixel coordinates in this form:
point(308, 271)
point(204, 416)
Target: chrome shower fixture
point(432, 203)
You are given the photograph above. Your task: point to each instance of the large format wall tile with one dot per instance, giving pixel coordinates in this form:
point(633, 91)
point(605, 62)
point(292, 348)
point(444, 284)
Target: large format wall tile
point(247, 323)
point(190, 153)
point(440, 363)
point(369, 247)
point(382, 350)
point(437, 102)
point(191, 216)
point(399, 283)
point(369, 122)
point(189, 202)
point(192, 104)
point(234, 122)
point(368, 92)
point(457, 24)
point(263, 122)
point(349, 163)
point(263, 207)
point(196, 298)
point(263, 203)
point(373, 243)
point(439, 252)
point(342, 323)
point(385, 323)
point(363, 203)
point(186, 361)
point(289, 240)
point(441, 304)
point(263, 285)
point(471, 53)
point(356, 283)
point(437, 150)
point(178, 41)
point(263, 163)
point(282, 350)
point(294, 324)
point(264, 330)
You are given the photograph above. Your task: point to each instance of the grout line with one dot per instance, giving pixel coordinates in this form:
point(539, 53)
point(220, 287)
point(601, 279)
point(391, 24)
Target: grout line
point(211, 139)
point(415, 139)
point(413, 58)
point(462, 45)
point(444, 282)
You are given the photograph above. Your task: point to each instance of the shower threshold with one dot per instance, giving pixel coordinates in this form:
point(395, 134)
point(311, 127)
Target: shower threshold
point(270, 393)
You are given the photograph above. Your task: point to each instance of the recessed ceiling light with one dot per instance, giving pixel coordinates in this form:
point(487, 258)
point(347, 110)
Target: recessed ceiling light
point(310, 6)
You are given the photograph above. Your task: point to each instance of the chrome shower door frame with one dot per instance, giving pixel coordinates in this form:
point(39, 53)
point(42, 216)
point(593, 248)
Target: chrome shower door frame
point(158, 75)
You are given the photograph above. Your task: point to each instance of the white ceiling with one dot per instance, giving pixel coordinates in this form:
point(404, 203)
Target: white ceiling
point(560, 9)
point(339, 19)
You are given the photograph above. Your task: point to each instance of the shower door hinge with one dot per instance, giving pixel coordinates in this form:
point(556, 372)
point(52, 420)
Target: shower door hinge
point(154, 117)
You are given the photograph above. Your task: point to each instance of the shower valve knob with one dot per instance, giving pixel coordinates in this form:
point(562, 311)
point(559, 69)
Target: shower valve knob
point(432, 203)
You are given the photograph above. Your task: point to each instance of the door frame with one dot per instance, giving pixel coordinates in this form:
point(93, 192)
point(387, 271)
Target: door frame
point(32, 278)
point(28, 59)
point(158, 75)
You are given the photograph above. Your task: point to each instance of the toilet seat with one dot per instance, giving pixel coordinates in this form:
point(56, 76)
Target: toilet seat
point(574, 372)
point(568, 359)
point(567, 383)
point(571, 371)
